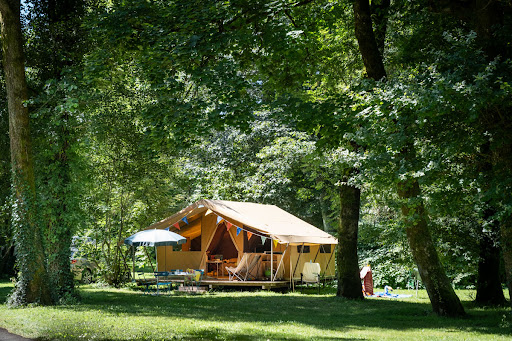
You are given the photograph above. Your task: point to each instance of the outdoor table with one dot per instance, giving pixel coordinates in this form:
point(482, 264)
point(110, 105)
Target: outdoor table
point(217, 262)
point(178, 274)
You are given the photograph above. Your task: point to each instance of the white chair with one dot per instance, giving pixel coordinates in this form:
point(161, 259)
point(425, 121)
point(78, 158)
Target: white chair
point(311, 274)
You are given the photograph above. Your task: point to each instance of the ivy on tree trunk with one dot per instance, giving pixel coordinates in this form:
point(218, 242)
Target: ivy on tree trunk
point(32, 285)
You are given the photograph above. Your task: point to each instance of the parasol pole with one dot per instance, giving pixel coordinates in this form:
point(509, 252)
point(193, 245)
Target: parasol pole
point(133, 262)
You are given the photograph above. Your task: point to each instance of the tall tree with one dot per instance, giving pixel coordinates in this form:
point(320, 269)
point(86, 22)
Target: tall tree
point(442, 296)
point(350, 196)
point(32, 285)
point(489, 19)
point(55, 46)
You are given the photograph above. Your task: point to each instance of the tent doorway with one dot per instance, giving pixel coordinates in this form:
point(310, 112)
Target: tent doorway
point(222, 246)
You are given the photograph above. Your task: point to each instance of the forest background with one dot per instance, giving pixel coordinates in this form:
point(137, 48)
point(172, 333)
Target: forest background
point(385, 123)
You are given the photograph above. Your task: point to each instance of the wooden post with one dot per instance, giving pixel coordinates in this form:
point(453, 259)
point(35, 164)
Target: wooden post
point(272, 260)
point(291, 277)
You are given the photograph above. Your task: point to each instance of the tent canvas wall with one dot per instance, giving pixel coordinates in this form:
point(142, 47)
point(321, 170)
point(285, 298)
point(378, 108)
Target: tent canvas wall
point(230, 229)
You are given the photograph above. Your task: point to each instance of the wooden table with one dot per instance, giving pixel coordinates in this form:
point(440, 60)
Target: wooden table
point(216, 262)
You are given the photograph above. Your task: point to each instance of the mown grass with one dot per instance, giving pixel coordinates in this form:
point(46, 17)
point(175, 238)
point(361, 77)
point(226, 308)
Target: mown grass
point(112, 314)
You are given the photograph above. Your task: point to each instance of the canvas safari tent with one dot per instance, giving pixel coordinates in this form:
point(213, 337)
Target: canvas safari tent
point(219, 233)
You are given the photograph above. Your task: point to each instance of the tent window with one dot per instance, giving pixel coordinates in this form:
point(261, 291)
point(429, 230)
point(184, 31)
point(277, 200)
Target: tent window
point(304, 248)
point(325, 248)
point(254, 245)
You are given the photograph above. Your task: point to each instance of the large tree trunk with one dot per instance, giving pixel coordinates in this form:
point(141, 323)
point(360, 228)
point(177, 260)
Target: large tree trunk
point(506, 247)
point(501, 170)
point(65, 48)
point(32, 285)
point(442, 296)
point(488, 285)
point(365, 35)
point(379, 10)
point(60, 228)
point(349, 283)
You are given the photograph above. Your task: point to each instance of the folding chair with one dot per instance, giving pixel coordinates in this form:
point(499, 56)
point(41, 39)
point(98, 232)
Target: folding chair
point(254, 263)
point(244, 267)
point(162, 280)
point(143, 282)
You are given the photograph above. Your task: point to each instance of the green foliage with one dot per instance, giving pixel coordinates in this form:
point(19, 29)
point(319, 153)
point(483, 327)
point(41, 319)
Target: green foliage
point(270, 164)
point(154, 105)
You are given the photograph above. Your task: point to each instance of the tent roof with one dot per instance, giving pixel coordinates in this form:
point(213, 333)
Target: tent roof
point(267, 219)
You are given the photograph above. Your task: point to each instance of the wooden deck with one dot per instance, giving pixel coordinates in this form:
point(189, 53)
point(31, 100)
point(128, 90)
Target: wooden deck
point(265, 285)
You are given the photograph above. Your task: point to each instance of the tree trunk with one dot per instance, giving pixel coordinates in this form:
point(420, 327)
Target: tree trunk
point(32, 285)
point(324, 210)
point(442, 296)
point(349, 283)
point(61, 229)
point(379, 10)
point(62, 29)
point(488, 285)
point(372, 58)
point(506, 247)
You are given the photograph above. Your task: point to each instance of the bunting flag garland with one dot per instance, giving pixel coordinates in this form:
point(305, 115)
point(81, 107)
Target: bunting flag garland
point(167, 228)
point(208, 211)
point(177, 225)
point(239, 229)
point(200, 206)
point(185, 220)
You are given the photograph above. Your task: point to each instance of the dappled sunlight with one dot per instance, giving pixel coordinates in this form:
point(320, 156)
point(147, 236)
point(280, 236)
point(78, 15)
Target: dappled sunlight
point(124, 314)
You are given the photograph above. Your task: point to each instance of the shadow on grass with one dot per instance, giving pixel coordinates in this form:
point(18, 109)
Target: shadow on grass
point(324, 311)
point(320, 311)
point(5, 290)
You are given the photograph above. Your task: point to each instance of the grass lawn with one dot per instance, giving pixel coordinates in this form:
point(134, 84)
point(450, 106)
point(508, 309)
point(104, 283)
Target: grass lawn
point(112, 314)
